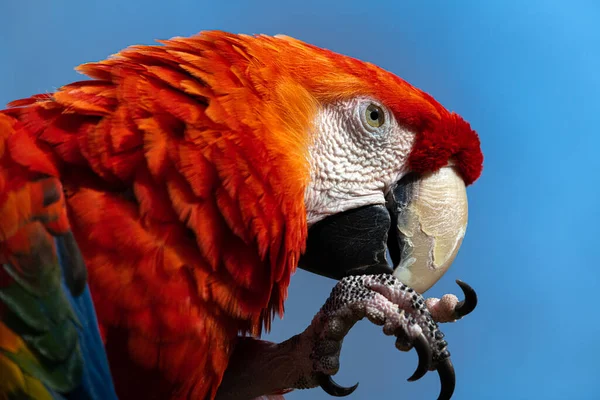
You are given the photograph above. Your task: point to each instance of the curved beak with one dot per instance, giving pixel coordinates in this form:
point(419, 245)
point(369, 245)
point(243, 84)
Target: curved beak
point(415, 236)
point(429, 222)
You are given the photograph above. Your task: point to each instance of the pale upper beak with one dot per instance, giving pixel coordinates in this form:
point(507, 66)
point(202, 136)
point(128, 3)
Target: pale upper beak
point(429, 221)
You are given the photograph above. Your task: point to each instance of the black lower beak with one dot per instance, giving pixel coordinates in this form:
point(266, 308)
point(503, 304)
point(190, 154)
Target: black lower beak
point(353, 242)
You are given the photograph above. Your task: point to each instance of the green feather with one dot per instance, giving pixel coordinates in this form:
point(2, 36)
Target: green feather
point(42, 316)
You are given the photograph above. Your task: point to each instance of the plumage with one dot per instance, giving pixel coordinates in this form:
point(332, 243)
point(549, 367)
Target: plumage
point(184, 168)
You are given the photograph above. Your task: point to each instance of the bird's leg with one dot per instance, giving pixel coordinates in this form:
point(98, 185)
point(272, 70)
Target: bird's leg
point(258, 367)
point(309, 359)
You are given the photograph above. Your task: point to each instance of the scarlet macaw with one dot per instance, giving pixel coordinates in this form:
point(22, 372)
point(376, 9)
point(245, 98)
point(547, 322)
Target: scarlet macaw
point(186, 182)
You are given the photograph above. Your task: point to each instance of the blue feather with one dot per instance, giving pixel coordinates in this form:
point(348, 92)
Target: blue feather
point(96, 382)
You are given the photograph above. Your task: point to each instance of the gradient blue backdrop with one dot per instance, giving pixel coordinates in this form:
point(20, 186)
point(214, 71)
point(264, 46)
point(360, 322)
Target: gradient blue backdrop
point(525, 74)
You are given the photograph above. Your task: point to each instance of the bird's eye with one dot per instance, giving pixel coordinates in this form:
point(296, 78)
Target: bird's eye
point(374, 116)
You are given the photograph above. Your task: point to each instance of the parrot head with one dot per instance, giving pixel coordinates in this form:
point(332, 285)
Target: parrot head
point(388, 168)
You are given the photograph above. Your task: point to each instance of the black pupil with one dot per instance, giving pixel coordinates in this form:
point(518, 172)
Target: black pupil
point(374, 115)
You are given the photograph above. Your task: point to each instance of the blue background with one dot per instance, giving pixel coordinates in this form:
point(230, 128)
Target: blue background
point(524, 73)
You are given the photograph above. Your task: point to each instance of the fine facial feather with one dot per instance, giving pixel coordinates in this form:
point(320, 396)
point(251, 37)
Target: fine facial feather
point(352, 163)
point(185, 168)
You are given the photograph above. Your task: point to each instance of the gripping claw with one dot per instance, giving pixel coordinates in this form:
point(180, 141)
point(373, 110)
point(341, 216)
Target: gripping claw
point(467, 305)
point(333, 389)
point(423, 349)
point(447, 379)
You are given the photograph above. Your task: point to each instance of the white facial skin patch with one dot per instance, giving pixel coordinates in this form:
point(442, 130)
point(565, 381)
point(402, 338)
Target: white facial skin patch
point(357, 152)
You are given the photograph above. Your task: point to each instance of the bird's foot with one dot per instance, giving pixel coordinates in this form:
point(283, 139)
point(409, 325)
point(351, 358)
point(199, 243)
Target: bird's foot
point(401, 311)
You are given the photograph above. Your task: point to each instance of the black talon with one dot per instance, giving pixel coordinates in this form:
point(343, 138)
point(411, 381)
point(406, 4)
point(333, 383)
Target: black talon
point(421, 345)
point(333, 389)
point(467, 305)
point(447, 379)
